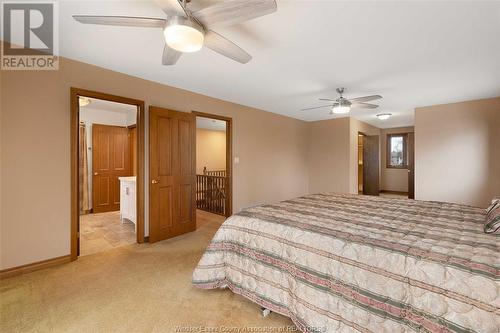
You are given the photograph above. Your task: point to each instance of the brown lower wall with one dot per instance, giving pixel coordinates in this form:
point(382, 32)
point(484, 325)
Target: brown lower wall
point(35, 160)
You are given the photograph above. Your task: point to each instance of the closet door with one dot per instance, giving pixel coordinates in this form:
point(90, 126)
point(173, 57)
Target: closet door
point(172, 172)
point(411, 165)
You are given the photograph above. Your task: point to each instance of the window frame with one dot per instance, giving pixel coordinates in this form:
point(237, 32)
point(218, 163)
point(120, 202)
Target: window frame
point(388, 164)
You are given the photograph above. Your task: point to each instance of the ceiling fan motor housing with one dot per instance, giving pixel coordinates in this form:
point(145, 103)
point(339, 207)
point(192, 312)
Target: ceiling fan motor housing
point(344, 102)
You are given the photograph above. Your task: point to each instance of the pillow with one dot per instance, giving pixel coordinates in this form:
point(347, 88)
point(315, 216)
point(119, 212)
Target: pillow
point(492, 225)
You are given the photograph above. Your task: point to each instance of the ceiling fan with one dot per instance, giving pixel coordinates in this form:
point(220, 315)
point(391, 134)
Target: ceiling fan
point(188, 31)
point(344, 105)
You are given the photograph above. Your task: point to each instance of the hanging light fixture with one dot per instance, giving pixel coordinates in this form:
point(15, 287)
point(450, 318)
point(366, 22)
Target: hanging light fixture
point(343, 106)
point(341, 109)
point(184, 35)
point(83, 101)
point(384, 116)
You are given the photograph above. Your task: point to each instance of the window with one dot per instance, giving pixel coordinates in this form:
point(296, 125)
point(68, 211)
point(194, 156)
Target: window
point(396, 151)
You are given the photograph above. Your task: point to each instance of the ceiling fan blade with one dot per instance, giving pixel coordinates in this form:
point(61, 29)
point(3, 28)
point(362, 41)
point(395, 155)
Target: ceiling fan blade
point(327, 99)
point(172, 7)
point(225, 47)
point(126, 21)
point(318, 107)
point(364, 105)
point(365, 98)
point(230, 12)
point(170, 56)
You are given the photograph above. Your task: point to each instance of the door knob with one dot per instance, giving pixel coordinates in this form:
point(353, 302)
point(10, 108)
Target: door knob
point(95, 173)
point(154, 181)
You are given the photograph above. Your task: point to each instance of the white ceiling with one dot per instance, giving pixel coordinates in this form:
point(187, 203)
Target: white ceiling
point(210, 124)
point(100, 104)
point(412, 53)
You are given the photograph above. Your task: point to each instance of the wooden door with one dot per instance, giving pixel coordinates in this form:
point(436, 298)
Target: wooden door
point(172, 172)
point(110, 160)
point(411, 165)
point(371, 165)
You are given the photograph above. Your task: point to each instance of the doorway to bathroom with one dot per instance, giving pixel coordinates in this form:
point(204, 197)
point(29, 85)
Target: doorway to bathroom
point(107, 172)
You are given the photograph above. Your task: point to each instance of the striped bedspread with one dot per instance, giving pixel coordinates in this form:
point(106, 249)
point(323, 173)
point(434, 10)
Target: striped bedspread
point(349, 263)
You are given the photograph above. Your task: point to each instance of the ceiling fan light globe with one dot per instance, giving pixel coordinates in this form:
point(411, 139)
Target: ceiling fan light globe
point(184, 36)
point(341, 109)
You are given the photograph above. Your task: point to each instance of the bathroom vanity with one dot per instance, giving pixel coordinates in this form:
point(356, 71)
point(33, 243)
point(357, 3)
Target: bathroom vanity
point(128, 199)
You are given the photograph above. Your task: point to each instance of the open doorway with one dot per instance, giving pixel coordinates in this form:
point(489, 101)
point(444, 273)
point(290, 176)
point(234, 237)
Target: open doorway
point(397, 177)
point(107, 172)
point(213, 165)
point(368, 164)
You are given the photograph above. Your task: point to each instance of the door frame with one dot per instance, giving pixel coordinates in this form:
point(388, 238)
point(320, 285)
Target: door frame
point(229, 155)
point(75, 93)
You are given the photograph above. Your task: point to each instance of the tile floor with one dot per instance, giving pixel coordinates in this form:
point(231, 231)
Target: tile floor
point(104, 231)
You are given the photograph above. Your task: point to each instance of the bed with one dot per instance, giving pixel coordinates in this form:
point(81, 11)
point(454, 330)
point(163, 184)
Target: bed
point(349, 263)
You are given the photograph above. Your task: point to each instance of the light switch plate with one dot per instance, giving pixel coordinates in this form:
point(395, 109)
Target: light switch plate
point(236, 160)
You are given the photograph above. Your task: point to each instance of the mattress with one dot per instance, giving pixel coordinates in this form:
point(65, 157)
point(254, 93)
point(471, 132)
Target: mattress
point(353, 263)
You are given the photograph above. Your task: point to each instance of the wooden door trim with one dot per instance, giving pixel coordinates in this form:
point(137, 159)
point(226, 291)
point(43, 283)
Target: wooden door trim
point(229, 155)
point(74, 122)
point(34, 266)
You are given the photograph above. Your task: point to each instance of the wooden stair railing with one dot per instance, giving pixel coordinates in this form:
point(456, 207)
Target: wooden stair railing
point(220, 173)
point(211, 193)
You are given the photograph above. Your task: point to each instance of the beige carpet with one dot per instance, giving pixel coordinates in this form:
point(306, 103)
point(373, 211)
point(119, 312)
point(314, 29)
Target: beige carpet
point(104, 231)
point(133, 288)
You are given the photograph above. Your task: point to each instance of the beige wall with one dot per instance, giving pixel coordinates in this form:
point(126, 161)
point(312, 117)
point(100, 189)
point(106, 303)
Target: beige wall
point(457, 152)
point(457, 149)
point(35, 168)
point(210, 150)
point(392, 179)
point(328, 155)
point(333, 154)
point(356, 126)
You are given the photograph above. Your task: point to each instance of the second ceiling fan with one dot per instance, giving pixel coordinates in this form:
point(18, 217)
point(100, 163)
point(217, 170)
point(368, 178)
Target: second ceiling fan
point(188, 31)
point(343, 105)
